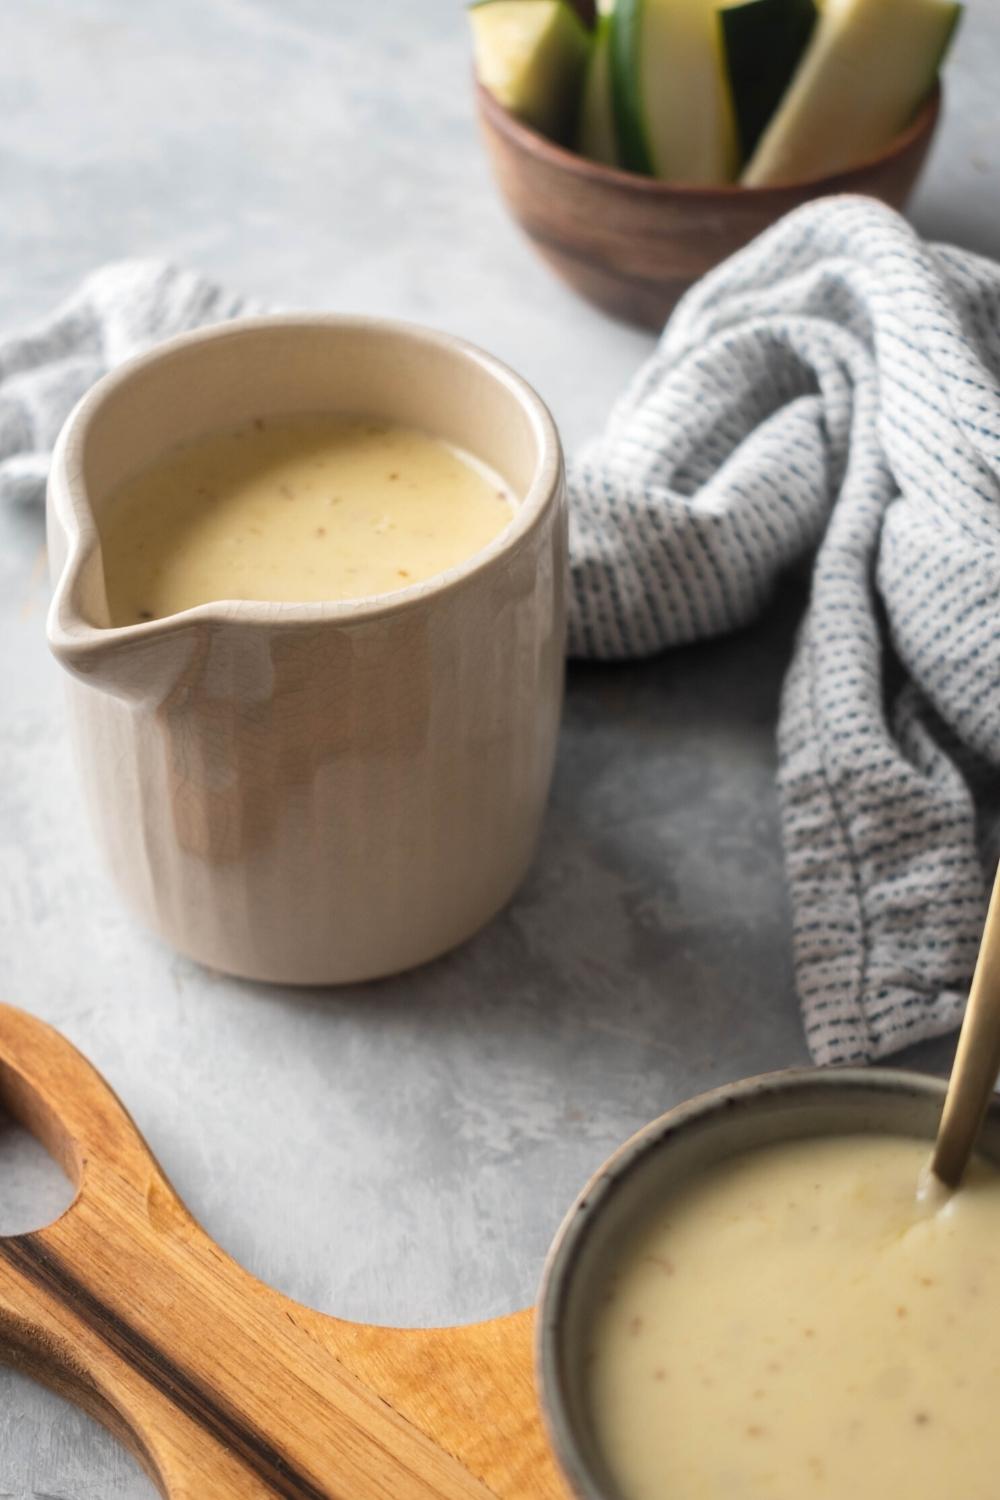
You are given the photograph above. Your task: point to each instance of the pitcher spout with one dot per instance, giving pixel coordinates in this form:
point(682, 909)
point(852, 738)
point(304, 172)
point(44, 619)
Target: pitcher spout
point(138, 663)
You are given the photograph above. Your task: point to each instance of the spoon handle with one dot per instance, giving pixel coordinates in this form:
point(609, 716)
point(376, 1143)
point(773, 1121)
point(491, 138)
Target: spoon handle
point(977, 1059)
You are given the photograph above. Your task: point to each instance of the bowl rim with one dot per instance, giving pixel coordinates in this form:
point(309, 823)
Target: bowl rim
point(564, 1253)
point(71, 635)
point(531, 142)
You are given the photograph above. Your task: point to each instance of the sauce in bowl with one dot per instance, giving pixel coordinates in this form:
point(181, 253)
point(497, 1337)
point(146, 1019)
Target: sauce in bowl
point(794, 1321)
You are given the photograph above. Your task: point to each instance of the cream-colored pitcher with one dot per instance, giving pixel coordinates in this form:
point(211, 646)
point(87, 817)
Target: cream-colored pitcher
point(317, 793)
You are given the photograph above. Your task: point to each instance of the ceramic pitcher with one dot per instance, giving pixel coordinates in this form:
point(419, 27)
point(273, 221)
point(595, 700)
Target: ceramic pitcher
point(316, 793)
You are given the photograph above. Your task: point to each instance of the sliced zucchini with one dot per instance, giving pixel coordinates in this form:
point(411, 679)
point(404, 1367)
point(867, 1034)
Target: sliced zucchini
point(595, 135)
point(673, 108)
point(866, 70)
point(763, 41)
point(531, 55)
point(586, 10)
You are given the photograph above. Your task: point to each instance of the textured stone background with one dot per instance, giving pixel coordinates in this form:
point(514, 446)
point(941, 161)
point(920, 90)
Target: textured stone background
point(403, 1152)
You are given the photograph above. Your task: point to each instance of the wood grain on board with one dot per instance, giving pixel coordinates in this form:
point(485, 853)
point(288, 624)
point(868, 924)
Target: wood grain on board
point(221, 1386)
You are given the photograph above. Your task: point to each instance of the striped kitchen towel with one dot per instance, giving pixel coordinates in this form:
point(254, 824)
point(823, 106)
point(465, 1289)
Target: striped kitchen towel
point(833, 391)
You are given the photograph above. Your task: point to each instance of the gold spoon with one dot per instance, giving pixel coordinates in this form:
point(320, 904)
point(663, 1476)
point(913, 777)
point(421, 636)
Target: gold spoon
point(977, 1059)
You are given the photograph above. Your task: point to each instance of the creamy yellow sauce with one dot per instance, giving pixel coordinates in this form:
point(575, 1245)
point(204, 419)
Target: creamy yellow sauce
point(794, 1322)
point(295, 509)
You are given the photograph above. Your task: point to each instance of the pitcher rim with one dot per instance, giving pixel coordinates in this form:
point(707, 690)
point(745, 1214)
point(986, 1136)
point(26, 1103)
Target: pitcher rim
point(69, 632)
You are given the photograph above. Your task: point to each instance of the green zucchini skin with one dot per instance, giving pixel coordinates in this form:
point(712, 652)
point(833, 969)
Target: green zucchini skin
point(673, 108)
point(890, 51)
point(626, 40)
point(539, 82)
point(587, 11)
point(763, 41)
point(596, 135)
point(949, 35)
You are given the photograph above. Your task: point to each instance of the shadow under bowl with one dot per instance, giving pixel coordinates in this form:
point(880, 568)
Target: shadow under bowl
point(632, 245)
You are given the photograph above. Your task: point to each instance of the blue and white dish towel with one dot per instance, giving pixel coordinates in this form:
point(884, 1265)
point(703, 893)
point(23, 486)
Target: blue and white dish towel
point(833, 392)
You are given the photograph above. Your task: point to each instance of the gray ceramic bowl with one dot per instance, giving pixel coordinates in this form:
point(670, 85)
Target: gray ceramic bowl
point(756, 1112)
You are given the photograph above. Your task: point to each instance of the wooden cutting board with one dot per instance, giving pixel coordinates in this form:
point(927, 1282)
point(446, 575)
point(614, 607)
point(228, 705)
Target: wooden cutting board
point(224, 1389)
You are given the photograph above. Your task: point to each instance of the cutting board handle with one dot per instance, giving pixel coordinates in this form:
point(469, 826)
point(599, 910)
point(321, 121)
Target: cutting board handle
point(221, 1386)
point(65, 1103)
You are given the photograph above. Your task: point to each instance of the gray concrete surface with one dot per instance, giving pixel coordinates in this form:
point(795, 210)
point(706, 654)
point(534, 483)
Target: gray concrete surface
point(402, 1152)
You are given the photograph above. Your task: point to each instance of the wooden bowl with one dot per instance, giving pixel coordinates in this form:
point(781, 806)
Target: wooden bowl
point(632, 245)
